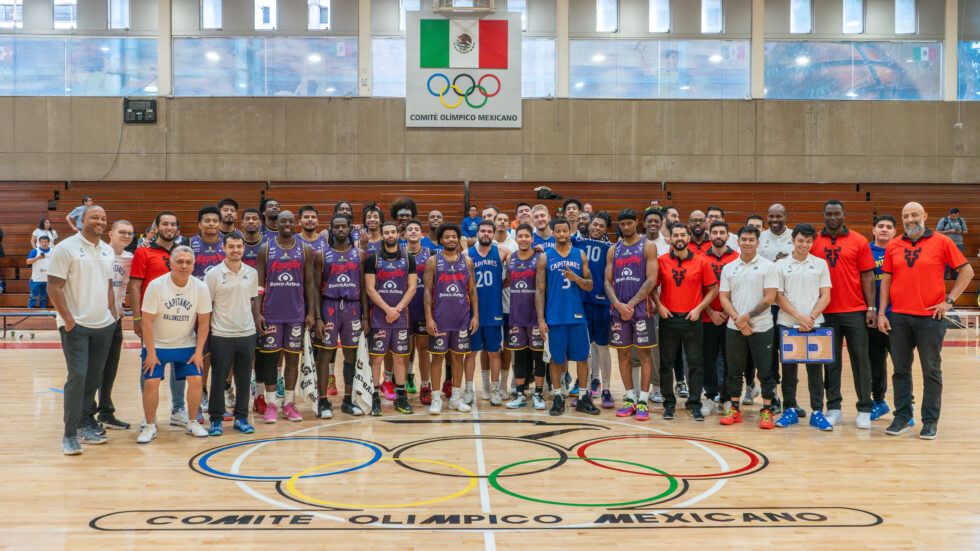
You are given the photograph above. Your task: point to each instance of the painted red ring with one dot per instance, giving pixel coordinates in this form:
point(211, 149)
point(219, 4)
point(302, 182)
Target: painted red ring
point(494, 77)
point(753, 459)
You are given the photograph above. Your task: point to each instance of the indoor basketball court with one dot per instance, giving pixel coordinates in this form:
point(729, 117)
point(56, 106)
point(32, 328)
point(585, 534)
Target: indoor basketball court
point(384, 187)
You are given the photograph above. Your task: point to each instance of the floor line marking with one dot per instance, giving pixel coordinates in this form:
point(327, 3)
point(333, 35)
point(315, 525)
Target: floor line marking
point(489, 541)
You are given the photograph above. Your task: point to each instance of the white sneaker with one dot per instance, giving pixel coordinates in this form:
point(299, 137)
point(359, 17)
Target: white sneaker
point(459, 405)
point(749, 397)
point(519, 401)
point(195, 428)
point(179, 418)
point(657, 396)
point(469, 394)
point(835, 417)
point(539, 402)
point(230, 398)
point(358, 411)
point(435, 408)
point(147, 433)
point(464, 407)
point(708, 406)
point(863, 420)
point(496, 398)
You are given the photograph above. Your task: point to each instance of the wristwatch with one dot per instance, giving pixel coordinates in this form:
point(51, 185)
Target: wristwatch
point(950, 301)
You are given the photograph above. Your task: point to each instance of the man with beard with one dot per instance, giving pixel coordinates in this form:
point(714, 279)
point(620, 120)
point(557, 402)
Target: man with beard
point(451, 312)
point(597, 307)
point(416, 309)
point(912, 284)
point(337, 270)
point(229, 214)
point(309, 222)
point(543, 236)
point(562, 275)
point(208, 253)
point(504, 239)
point(713, 319)
point(699, 241)
point(851, 309)
point(286, 304)
point(431, 241)
point(488, 267)
point(670, 217)
point(345, 208)
point(252, 235)
point(523, 334)
point(270, 217)
point(390, 279)
point(776, 243)
point(717, 214)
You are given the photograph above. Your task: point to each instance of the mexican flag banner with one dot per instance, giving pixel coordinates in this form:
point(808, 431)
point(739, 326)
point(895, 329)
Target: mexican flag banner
point(463, 43)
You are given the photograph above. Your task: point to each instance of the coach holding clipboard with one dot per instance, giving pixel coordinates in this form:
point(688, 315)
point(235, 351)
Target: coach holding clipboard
point(912, 282)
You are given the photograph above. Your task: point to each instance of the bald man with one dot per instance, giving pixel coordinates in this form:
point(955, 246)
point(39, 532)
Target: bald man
point(776, 243)
point(912, 283)
point(431, 241)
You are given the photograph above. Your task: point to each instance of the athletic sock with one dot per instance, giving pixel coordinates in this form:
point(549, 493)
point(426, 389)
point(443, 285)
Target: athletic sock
point(400, 391)
point(288, 396)
point(631, 395)
point(539, 390)
point(388, 376)
point(457, 392)
point(270, 397)
point(485, 374)
point(644, 396)
point(521, 388)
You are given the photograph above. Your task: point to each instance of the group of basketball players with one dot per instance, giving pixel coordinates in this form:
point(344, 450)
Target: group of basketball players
point(528, 297)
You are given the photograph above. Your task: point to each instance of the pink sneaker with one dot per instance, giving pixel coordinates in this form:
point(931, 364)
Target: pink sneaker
point(388, 388)
point(289, 412)
point(270, 413)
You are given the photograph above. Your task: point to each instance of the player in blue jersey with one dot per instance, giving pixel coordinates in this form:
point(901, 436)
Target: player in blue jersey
point(431, 241)
point(491, 278)
point(544, 237)
point(597, 308)
point(562, 275)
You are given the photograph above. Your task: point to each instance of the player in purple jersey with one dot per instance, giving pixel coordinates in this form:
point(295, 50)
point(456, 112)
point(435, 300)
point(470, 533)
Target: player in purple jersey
point(451, 312)
point(228, 208)
point(345, 208)
point(371, 235)
point(416, 312)
point(402, 210)
point(337, 270)
point(523, 334)
point(252, 234)
point(309, 223)
point(286, 303)
point(390, 280)
point(270, 209)
point(631, 273)
point(208, 253)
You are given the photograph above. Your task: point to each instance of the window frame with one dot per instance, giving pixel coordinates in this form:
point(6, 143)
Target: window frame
point(721, 9)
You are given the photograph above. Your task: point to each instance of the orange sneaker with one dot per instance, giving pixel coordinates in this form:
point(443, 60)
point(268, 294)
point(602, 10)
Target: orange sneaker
point(766, 422)
point(734, 416)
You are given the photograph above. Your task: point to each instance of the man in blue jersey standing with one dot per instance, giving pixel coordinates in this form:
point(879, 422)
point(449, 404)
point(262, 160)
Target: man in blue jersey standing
point(597, 308)
point(491, 278)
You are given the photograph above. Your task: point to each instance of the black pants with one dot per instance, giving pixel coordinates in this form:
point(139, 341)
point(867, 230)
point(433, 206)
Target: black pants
point(925, 334)
point(85, 353)
point(712, 348)
point(234, 354)
point(850, 326)
point(739, 348)
point(105, 406)
point(878, 359)
point(815, 382)
point(674, 332)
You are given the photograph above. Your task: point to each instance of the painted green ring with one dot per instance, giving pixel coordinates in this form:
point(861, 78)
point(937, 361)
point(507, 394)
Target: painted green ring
point(470, 90)
point(670, 489)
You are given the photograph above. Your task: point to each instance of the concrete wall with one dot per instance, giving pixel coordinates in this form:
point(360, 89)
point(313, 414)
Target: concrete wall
point(598, 140)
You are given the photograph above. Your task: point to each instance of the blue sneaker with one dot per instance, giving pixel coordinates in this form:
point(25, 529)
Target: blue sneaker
point(242, 426)
point(788, 418)
point(912, 420)
point(280, 387)
point(595, 387)
point(818, 420)
point(215, 429)
point(879, 409)
point(575, 390)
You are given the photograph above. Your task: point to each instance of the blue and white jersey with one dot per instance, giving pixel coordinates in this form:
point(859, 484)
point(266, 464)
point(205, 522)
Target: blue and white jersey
point(563, 304)
point(489, 285)
point(595, 252)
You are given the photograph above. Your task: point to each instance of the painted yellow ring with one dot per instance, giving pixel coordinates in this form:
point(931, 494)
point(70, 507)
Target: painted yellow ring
point(458, 91)
point(291, 485)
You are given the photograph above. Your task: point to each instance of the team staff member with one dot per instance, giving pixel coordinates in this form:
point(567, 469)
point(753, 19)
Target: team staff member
point(804, 292)
point(174, 307)
point(150, 263)
point(700, 240)
point(717, 214)
point(747, 291)
point(851, 310)
point(912, 284)
point(80, 287)
point(878, 342)
point(713, 319)
point(776, 243)
point(687, 287)
point(561, 273)
point(491, 279)
point(232, 286)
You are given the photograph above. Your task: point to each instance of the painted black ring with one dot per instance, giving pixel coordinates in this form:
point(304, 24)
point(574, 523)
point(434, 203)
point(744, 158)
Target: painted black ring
point(560, 460)
point(471, 88)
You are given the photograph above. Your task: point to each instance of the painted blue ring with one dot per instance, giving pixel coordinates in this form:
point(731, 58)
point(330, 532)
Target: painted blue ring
point(428, 83)
point(203, 461)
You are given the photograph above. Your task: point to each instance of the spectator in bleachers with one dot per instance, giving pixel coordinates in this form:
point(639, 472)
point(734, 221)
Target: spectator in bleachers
point(953, 227)
point(44, 228)
point(74, 217)
point(471, 221)
point(38, 259)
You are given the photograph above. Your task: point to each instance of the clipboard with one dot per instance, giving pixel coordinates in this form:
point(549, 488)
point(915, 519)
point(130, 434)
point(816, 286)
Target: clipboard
point(815, 346)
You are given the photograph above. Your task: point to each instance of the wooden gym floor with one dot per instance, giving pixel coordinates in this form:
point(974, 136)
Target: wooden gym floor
point(489, 479)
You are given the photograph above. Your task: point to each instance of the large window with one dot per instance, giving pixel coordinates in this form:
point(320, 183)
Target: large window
point(905, 17)
point(800, 17)
point(118, 14)
point(265, 66)
point(606, 16)
point(712, 17)
point(388, 67)
point(210, 14)
point(853, 16)
point(265, 15)
point(65, 14)
point(968, 75)
point(66, 66)
point(853, 70)
point(318, 17)
point(538, 68)
point(659, 68)
point(659, 16)
point(11, 14)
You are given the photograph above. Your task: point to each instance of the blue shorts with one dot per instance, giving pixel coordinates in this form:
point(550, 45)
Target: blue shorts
point(487, 338)
point(568, 343)
point(177, 356)
point(597, 317)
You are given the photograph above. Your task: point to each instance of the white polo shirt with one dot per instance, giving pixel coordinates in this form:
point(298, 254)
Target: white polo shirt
point(175, 310)
point(511, 245)
point(800, 282)
point(120, 278)
point(733, 242)
point(231, 296)
point(662, 246)
point(747, 281)
point(771, 244)
point(87, 271)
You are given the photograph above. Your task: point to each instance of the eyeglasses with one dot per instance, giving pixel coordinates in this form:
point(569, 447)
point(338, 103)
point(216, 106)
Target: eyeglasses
point(125, 233)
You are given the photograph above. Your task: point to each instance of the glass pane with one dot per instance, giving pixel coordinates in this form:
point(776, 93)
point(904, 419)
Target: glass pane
point(65, 14)
point(265, 15)
point(406, 5)
point(853, 70)
point(659, 16)
point(711, 17)
point(388, 67)
point(800, 17)
point(709, 69)
point(905, 17)
point(853, 16)
point(521, 6)
point(606, 16)
point(968, 76)
point(265, 66)
point(118, 14)
point(11, 14)
point(210, 14)
point(319, 15)
point(538, 68)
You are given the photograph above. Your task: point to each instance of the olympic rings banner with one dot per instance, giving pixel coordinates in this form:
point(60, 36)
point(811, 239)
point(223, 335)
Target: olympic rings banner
point(463, 73)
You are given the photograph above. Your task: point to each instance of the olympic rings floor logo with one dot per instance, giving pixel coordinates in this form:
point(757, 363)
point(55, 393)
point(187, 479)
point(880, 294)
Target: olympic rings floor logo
point(474, 87)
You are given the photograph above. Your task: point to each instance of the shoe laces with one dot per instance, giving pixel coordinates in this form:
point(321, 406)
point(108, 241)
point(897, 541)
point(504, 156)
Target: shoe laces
point(766, 415)
point(641, 407)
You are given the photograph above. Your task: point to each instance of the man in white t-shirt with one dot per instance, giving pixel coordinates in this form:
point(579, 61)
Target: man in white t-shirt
point(39, 259)
point(172, 306)
point(503, 237)
point(776, 243)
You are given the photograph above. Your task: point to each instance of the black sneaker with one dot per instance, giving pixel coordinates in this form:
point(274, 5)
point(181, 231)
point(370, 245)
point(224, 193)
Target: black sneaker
point(97, 428)
point(800, 412)
point(324, 409)
point(777, 406)
point(349, 408)
point(900, 425)
point(668, 412)
point(696, 414)
point(376, 406)
point(402, 405)
point(109, 421)
point(585, 404)
point(929, 430)
point(557, 405)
